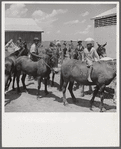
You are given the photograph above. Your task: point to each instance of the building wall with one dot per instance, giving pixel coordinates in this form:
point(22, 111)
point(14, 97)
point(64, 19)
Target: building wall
point(26, 36)
point(106, 34)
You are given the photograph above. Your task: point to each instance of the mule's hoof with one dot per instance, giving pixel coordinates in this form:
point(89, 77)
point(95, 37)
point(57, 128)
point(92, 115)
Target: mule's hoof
point(114, 101)
point(46, 93)
point(65, 103)
point(25, 90)
point(13, 89)
point(102, 110)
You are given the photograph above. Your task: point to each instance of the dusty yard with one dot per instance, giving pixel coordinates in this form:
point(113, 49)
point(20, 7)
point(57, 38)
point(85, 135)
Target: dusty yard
point(27, 102)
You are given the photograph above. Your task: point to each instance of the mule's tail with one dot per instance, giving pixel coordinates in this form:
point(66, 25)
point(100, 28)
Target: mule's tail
point(61, 80)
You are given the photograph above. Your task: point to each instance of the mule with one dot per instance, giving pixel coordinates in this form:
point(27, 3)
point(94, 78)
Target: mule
point(102, 74)
point(10, 65)
point(40, 69)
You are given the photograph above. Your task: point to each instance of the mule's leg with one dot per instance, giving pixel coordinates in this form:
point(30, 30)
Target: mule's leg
point(39, 85)
point(14, 81)
point(90, 89)
point(93, 97)
point(8, 84)
point(46, 92)
point(17, 80)
point(71, 91)
point(53, 76)
point(64, 93)
point(102, 97)
point(23, 82)
point(81, 90)
point(115, 96)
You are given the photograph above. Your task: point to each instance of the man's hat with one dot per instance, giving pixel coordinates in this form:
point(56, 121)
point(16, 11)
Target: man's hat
point(79, 41)
point(36, 39)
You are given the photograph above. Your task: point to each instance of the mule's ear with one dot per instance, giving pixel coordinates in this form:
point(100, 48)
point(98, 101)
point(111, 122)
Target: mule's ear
point(105, 44)
point(98, 44)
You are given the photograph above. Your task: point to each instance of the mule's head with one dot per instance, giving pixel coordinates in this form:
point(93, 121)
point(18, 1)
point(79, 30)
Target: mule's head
point(101, 50)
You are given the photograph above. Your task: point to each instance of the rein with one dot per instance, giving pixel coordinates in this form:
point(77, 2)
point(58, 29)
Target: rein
point(43, 60)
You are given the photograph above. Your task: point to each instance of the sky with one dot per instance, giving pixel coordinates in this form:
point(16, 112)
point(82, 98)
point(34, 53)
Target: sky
point(60, 21)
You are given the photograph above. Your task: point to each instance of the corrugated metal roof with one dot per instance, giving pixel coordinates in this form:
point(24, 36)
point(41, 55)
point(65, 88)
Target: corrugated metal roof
point(21, 24)
point(110, 12)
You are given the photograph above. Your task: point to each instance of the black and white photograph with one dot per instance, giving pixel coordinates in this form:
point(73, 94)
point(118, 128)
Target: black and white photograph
point(60, 66)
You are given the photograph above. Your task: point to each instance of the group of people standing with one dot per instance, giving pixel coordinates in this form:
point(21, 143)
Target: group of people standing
point(87, 54)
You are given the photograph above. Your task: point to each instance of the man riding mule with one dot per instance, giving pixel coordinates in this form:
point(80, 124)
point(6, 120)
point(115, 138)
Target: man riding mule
point(40, 69)
point(34, 48)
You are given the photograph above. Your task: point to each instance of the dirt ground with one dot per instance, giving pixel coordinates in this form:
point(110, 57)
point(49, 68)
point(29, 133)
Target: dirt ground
point(28, 102)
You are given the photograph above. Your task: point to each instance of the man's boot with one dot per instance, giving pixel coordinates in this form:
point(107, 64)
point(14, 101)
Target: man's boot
point(89, 73)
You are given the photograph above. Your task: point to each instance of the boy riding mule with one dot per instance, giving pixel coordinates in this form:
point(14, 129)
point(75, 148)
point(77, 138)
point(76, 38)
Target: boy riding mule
point(103, 73)
point(89, 56)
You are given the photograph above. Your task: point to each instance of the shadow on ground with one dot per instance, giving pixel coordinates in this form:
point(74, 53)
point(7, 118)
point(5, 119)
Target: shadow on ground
point(86, 103)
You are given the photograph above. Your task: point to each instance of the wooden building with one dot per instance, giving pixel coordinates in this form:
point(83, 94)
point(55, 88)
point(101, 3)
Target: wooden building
point(105, 26)
point(26, 28)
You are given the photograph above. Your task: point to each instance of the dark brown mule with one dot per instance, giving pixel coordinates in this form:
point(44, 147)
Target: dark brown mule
point(10, 65)
point(40, 69)
point(54, 53)
point(73, 70)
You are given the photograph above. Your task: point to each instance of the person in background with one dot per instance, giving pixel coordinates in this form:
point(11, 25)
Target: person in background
point(64, 49)
point(19, 42)
point(80, 49)
point(90, 54)
point(58, 46)
point(71, 47)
